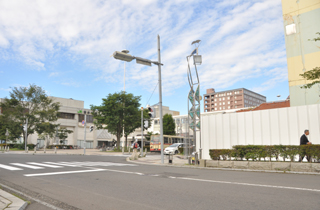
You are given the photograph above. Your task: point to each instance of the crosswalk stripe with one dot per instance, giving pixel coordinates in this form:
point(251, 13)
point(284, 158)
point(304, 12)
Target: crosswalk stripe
point(45, 165)
point(11, 168)
point(62, 164)
point(26, 166)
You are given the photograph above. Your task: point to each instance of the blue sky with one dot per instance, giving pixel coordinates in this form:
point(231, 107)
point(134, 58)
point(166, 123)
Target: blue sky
point(65, 47)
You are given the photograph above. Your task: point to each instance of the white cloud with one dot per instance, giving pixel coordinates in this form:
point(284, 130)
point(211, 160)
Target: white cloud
point(240, 39)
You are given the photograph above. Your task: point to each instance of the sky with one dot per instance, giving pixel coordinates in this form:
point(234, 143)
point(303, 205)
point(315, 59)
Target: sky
point(65, 47)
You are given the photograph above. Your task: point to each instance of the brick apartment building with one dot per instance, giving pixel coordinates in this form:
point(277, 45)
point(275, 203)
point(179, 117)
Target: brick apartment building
point(231, 99)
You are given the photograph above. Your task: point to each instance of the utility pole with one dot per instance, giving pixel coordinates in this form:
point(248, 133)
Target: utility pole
point(160, 101)
point(85, 129)
point(142, 126)
point(26, 135)
point(7, 135)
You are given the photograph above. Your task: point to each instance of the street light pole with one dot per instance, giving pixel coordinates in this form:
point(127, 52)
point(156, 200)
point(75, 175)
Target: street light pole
point(124, 56)
point(160, 100)
point(85, 132)
point(142, 125)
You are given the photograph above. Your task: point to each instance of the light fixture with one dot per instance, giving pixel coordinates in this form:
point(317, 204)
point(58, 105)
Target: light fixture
point(123, 56)
point(143, 61)
point(197, 59)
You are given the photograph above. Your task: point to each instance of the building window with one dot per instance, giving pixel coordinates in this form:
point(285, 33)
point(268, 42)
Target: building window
point(223, 103)
point(228, 98)
point(235, 102)
point(220, 108)
point(228, 102)
point(235, 106)
point(228, 107)
point(224, 107)
point(89, 118)
point(223, 98)
point(215, 104)
point(66, 115)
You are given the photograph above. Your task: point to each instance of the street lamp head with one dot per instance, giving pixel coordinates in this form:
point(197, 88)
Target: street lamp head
point(197, 59)
point(123, 56)
point(196, 42)
point(143, 61)
point(125, 51)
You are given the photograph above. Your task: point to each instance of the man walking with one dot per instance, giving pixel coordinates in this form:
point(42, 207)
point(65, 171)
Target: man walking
point(304, 141)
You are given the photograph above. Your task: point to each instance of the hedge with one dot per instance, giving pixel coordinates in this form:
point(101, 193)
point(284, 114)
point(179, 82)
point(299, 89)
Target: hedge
point(60, 146)
point(259, 152)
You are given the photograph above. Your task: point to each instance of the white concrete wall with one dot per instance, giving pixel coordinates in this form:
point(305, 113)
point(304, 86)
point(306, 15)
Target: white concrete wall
point(267, 127)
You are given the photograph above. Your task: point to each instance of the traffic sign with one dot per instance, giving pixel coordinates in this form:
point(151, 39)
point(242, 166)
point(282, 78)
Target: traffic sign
point(82, 122)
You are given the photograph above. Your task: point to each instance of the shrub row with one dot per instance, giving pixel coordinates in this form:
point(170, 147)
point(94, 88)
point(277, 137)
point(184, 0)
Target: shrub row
point(257, 152)
point(60, 146)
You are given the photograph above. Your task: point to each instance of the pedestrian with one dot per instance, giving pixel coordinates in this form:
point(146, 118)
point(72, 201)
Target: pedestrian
point(304, 141)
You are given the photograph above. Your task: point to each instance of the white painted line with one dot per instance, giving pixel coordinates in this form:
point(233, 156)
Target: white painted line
point(45, 165)
point(62, 164)
point(10, 168)
point(248, 184)
point(26, 166)
point(29, 197)
point(64, 172)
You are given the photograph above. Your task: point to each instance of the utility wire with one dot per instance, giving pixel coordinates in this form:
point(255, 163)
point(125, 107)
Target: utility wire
point(152, 94)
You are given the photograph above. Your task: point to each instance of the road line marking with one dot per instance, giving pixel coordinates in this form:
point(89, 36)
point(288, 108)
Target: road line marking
point(29, 197)
point(11, 168)
point(62, 164)
point(26, 166)
point(45, 165)
point(64, 172)
point(248, 184)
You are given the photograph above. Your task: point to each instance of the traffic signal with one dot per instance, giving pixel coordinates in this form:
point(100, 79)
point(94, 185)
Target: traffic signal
point(24, 127)
point(151, 113)
point(91, 128)
point(146, 124)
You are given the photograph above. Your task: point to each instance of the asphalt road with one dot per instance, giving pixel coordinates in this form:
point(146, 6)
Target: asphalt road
point(107, 182)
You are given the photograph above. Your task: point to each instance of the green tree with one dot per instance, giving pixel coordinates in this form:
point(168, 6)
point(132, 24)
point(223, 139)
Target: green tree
point(30, 103)
point(46, 131)
point(14, 129)
point(314, 74)
point(169, 126)
point(118, 111)
point(63, 134)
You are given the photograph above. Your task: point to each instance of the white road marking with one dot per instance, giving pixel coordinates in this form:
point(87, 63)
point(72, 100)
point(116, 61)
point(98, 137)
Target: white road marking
point(98, 164)
point(45, 165)
point(223, 182)
point(26, 166)
point(248, 184)
point(11, 168)
point(64, 172)
point(62, 164)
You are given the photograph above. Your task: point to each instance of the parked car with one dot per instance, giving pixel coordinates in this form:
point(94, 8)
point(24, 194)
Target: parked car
point(174, 149)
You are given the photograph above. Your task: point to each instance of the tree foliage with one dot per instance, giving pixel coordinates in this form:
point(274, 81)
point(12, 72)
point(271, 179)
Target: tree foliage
point(169, 126)
point(314, 74)
point(14, 129)
point(118, 111)
point(30, 103)
point(63, 134)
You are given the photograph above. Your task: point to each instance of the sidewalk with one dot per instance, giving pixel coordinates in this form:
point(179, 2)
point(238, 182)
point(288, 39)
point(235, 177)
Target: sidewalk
point(8, 201)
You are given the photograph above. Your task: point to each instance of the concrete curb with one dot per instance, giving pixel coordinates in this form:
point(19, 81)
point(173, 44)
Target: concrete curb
point(16, 203)
point(224, 169)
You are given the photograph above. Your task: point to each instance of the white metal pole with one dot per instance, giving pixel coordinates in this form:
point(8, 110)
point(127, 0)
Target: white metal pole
point(160, 101)
point(26, 137)
point(142, 125)
point(124, 89)
point(85, 129)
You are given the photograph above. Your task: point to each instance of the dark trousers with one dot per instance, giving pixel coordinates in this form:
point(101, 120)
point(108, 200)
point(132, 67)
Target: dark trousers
point(302, 157)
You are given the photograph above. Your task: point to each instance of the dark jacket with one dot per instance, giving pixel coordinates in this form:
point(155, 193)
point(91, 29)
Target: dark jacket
point(303, 140)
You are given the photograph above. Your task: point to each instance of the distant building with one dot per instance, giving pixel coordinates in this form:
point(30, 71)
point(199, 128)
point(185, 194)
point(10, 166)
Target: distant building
point(231, 99)
point(301, 23)
point(269, 105)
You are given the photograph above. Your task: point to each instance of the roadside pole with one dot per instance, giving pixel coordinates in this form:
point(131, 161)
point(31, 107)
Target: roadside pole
point(85, 129)
point(142, 125)
point(26, 137)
